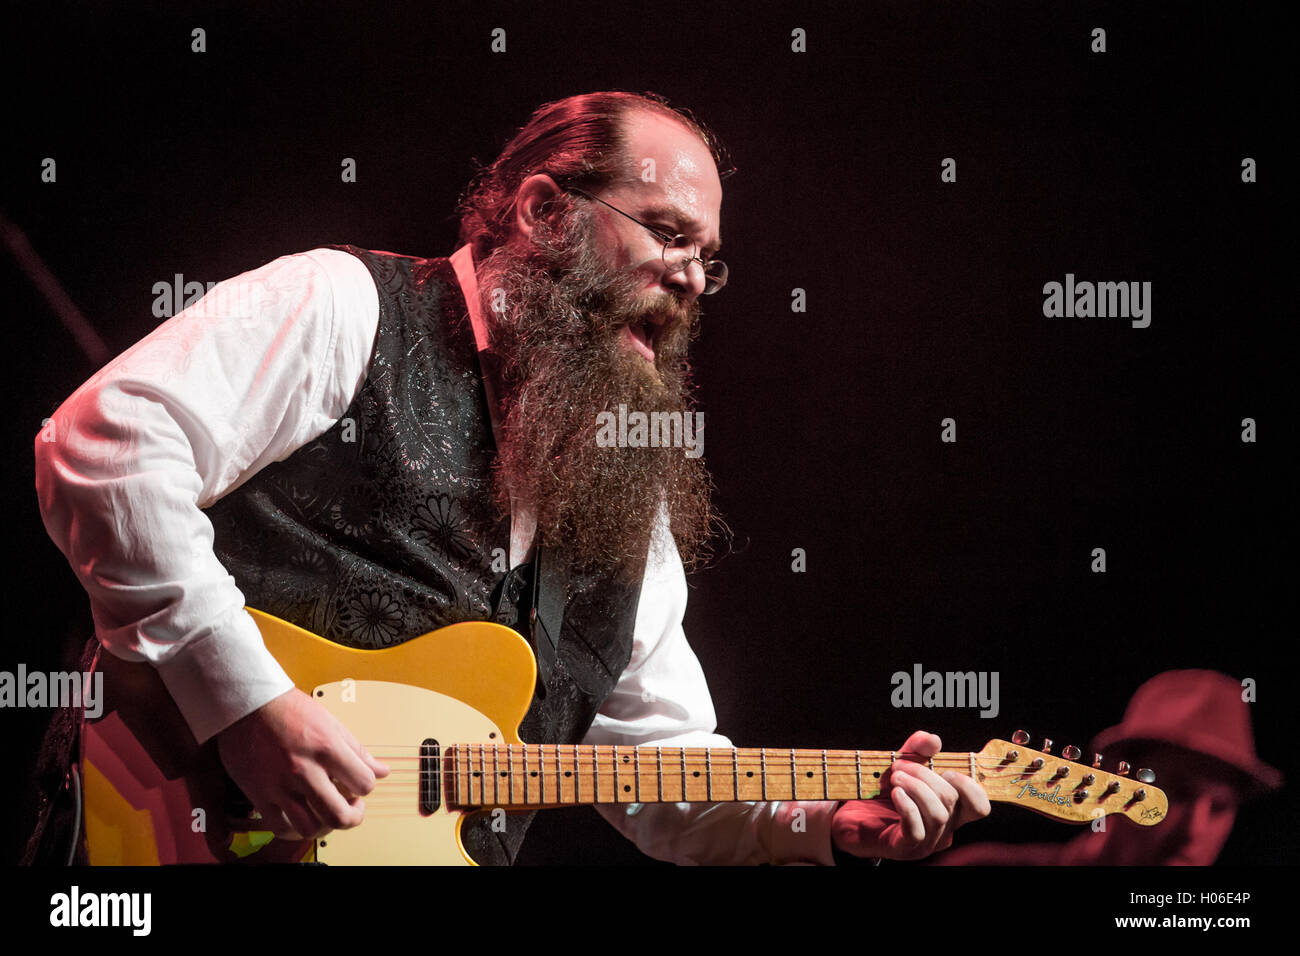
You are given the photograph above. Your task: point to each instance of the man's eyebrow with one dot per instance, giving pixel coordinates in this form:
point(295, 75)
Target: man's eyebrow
point(668, 213)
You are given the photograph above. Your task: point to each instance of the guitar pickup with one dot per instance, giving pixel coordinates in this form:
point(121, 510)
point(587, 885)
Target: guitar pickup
point(430, 776)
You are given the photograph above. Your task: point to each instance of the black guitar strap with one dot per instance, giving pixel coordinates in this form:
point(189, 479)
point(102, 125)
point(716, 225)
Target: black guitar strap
point(550, 584)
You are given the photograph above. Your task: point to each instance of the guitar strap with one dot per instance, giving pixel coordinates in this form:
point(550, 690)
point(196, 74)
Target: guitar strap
point(550, 585)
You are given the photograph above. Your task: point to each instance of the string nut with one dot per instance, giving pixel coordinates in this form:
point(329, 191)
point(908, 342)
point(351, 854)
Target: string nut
point(1071, 752)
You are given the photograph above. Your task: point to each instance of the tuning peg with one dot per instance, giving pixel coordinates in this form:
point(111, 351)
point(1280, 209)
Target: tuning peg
point(1123, 768)
point(1020, 737)
point(1071, 752)
point(1096, 760)
point(1139, 796)
point(1146, 776)
point(1088, 779)
point(1047, 745)
point(1113, 787)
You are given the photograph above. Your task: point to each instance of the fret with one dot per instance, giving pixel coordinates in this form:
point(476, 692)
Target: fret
point(496, 776)
point(708, 773)
point(683, 773)
point(659, 771)
point(735, 773)
point(762, 766)
point(616, 787)
point(858, 755)
point(595, 763)
point(525, 750)
point(456, 763)
point(577, 777)
point(826, 779)
point(794, 777)
point(636, 769)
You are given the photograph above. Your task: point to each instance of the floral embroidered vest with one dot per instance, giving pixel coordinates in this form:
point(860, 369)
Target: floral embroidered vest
point(383, 528)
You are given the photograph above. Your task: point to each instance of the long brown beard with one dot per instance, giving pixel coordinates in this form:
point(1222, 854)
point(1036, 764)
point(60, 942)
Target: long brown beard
point(556, 314)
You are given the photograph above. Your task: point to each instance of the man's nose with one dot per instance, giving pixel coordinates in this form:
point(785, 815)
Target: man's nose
point(1202, 812)
point(688, 282)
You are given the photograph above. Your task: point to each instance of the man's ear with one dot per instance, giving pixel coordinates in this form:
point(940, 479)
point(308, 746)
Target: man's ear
point(536, 202)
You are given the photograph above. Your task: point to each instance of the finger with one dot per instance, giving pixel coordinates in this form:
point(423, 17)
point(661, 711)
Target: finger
point(909, 823)
point(973, 800)
point(330, 806)
point(934, 814)
point(946, 792)
point(377, 767)
point(344, 763)
point(301, 818)
point(922, 744)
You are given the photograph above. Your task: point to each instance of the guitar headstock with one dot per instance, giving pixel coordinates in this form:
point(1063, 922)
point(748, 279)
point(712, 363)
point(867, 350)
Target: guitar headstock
point(1060, 787)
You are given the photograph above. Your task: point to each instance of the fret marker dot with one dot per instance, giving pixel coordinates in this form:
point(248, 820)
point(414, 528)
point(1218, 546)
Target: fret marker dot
point(568, 773)
point(749, 773)
point(696, 774)
point(626, 788)
point(810, 774)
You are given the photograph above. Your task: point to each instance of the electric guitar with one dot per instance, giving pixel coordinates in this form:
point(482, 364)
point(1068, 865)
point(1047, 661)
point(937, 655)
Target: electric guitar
point(443, 711)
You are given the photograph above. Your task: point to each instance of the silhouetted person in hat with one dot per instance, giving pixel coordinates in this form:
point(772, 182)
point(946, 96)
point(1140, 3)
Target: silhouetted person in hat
point(1193, 728)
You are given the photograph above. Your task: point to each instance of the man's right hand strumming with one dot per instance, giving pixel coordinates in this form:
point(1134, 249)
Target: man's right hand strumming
point(300, 767)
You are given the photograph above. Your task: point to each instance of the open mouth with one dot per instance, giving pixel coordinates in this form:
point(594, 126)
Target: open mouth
point(640, 335)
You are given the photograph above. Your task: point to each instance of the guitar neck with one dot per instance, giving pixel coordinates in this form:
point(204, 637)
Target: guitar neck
point(523, 775)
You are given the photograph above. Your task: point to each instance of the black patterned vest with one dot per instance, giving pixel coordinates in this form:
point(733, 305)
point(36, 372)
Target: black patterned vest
point(384, 528)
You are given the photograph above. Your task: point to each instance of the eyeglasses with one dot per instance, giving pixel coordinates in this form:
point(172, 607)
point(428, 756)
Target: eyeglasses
point(679, 251)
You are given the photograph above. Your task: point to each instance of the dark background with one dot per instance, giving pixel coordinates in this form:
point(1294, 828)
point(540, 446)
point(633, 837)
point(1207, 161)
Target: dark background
point(924, 302)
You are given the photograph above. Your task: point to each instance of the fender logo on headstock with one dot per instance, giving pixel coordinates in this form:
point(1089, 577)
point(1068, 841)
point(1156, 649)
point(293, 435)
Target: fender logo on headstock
point(1051, 797)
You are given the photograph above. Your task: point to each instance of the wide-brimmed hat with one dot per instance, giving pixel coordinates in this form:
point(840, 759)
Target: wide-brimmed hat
point(1198, 710)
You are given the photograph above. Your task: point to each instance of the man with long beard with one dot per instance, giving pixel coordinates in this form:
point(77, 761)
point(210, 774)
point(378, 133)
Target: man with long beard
point(382, 445)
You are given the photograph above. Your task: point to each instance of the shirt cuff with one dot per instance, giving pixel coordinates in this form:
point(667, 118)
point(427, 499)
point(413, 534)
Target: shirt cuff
point(223, 676)
point(801, 832)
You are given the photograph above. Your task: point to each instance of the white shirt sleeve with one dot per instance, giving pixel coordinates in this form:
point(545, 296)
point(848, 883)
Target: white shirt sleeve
point(662, 699)
point(262, 364)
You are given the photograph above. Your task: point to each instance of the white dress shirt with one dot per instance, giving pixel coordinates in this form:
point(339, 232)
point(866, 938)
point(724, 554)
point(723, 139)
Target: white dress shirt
point(261, 365)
